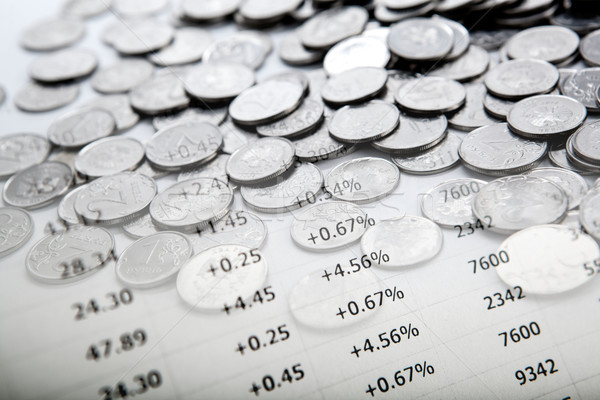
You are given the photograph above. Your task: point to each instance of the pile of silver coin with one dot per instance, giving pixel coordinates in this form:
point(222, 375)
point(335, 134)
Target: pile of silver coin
point(404, 78)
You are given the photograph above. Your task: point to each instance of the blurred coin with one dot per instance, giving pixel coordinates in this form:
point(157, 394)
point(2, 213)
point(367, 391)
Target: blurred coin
point(497, 107)
point(304, 119)
point(291, 51)
point(577, 161)
point(549, 43)
point(118, 106)
point(140, 227)
point(85, 8)
point(160, 94)
point(449, 203)
point(363, 122)
point(108, 156)
point(319, 146)
point(421, 39)
point(19, 151)
point(138, 36)
point(260, 160)
point(431, 95)
point(469, 65)
point(138, 8)
point(583, 86)
point(242, 48)
point(354, 85)
point(235, 137)
point(209, 10)
point(586, 142)
point(589, 48)
point(187, 46)
point(461, 38)
point(558, 157)
point(356, 52)
point(52, 34)
point(17, 227)
point(589, 213)
point(521, 78)
point(331, 26)
point(437, 159)
point(122, 76)
point(215, 169)
point(212, 115)
point(472, 115)
point(80, 127)
point(66, 207)
point(63, 65)
point(413, 135)
point(218, 81)
point(264, 11)
point(574, 186)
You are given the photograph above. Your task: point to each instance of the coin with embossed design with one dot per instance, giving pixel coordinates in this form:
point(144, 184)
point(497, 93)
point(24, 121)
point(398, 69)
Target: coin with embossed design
point(260, 160)
point(20, 151)
point(449, 203)
point(16, 229)
point(108, 156)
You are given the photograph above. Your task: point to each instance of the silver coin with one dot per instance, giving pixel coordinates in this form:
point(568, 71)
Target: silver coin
point(304, 119)
point(266, 102)
point(220, 275)
point(439, 158)
point(80, 127)
point(158, 95)
point(68, 158)
point(363, 122)
point(184, 145)
point(213, 169)
point(70, 255)
point(294, 189)
point(362, 180)
point(209, 10)
point(218, 81)
point(513, 203)
point(265, 11)
point(546, 116)
point(331, 26)
point(572, 221)
point(586, 142)
point(141, 227)
point(589, 48)
point(549, 43)
point(330, 225)
point(472, 115)
point(558, 156)
point(589, 212)
point(190, 205)
point(20, 151)
point(214, 116)
point(461, 39)
point(85, 8)
point(320, 146)
point(421, 39)
point(413, 135)
point(495, 150)
point(577, 161)
point(138, 36)
point(150, 171)
point(291, 51)
point(388, 16)
point(37, 98)
point(354, 85)
point(38, 185)
point(470, 65)
point(260, 160)
point(63, 65)
point(449, 203)
point(396, 78)
point(121, 76)
point(108, 156)
point(238, 227)
point(235, 137)
point(356, 52)
point(248, 50)
point(153, 260)
point(118, 106)
point(138, 8)
point(430, 95)
point(292, 75)
point(521, 78)
point(17, 227)
point(574, 186)
point(490, 40)
point(406, 241)
point(403, 4)
point(52, 34)
point(115, 199)
point(188, 46)
point(497, 107)
point(547, 259)
point(66, 207)
point(564, 75)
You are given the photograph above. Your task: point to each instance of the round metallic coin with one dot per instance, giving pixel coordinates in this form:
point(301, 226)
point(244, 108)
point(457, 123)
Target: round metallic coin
point(320, 145)
point(190, 205)
point(586, 142)
point(577, 161)
point(439, 158)
point(109, 156)
point(521, 78)
point(213, 116)
point(495, 150)
point(138, 8)
point(141, 227)
point(184, 145)
point(461, 39)
point(331, 26)
point(574, 186)
point(413, 135)
point(472, 115)
point(512, 203)
point(17, 227)
point(52, 34)
point(329, 225)
point(547, 259)
point(115, 199)
point(235, 136)
point(497, 107)
point(265, 11)
point(20, 151)
point(291, 51)
point(363, 122)
point(160, 94)
point(153, 260)
point(402, 242)
point(388, 16)
point(218, 81)
point(245, 47)
point(138, 36)
point(449, 203)
point(220, 275)
point(63, 65)
point(558, 156)
point(38, 185)
point(549, 43)
point(66, 207)
point(431, 95)
point(238, 227)
point(85, 8)
point(71, 255)
point(209, 10)
point(295, 188)
point(260, 160)
point(420, 39)
point(265, 102)
point(217, 168)
point(546, 116)
point(80, 127)
point(589, 212)
point(38, 98)
point(470, 65)
point(121, 76)
point(362, 180)
point(146, 169)
point(356, 51)
point(589, 48)
point(187, 46)
point(354, 85)
point(304, 119)
point(118, 106)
